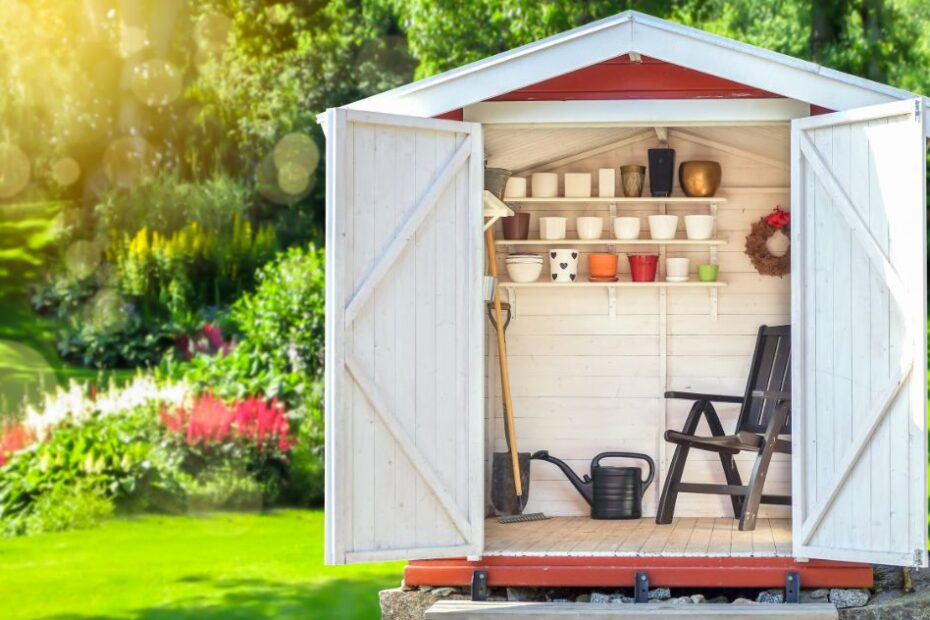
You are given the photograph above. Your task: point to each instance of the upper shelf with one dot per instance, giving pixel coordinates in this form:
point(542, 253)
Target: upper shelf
point(619, 200)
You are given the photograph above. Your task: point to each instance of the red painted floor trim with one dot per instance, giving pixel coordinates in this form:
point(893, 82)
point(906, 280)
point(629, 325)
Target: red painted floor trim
point(618, 572)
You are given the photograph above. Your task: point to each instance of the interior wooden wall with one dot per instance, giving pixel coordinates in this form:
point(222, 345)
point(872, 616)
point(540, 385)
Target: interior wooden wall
point(584, 383)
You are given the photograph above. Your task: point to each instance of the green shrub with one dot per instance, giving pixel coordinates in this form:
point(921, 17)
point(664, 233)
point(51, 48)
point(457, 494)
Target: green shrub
point(119, 454)
point(68, 508)
point(150, 264)
point(225, 488)
point(280, 354)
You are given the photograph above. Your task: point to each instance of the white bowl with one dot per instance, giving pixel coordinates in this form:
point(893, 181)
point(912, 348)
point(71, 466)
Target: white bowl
point(699, 226)
point(627, 227)
point(524, 272)
point(523, 260)
point(663, 226)
point(589, 227)
point(577, 184)
point(545, 184)
point(552, 228)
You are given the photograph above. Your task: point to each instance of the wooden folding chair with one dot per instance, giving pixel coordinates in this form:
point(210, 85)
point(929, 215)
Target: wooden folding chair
point(765, 414)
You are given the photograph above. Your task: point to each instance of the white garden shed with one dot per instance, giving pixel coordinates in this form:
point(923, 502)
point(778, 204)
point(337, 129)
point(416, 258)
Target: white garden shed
point(413, 399)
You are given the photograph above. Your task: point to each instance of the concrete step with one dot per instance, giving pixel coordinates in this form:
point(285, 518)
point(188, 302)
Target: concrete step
point(469, 610)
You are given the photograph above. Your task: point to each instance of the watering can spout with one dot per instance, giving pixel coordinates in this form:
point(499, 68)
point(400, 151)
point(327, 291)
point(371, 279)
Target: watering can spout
point(583, 485)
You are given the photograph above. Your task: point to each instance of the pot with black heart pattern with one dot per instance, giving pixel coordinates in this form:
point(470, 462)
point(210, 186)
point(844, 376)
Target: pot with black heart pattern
point(563, 264)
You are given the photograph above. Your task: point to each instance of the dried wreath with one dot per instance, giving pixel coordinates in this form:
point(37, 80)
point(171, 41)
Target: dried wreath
point(757, 248)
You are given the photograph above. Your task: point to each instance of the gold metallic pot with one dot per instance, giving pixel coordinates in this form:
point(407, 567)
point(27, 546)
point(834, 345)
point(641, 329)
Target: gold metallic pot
point(699, 179)
point(632, 178)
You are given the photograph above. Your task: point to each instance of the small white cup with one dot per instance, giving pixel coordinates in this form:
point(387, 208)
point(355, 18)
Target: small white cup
point(677, 268)
point(663, 226)
point(699, 226)
point(627, 227)
point(515, 188)
point(545, 184)
point(552, 228)
point(563, 264)
point(589, 227)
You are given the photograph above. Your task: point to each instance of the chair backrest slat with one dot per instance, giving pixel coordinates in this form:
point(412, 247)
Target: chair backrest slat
point(771, 371)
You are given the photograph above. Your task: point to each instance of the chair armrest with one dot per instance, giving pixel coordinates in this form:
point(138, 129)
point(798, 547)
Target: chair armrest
point(715, 398)
point(772, 394)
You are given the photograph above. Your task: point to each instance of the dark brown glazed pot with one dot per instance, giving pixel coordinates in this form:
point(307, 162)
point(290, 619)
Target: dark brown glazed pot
point(516, 227)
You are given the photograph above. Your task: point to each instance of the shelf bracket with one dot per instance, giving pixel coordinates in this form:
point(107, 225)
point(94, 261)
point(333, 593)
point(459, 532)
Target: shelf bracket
point(612, 209)
point(713, 303)
point(612, 302)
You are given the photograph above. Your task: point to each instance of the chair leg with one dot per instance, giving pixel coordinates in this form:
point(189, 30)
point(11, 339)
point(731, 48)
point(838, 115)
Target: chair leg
point(670, 489)
point(731, 472)
point(760, 469)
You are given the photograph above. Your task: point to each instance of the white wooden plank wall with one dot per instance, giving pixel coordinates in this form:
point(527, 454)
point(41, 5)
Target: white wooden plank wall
point(584, 383)
point(410, 322)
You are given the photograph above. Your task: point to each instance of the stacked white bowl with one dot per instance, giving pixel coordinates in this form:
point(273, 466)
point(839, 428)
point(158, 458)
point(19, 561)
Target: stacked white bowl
point(524, 266)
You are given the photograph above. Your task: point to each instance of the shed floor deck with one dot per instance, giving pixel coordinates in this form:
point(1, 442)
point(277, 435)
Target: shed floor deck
point(685, 536)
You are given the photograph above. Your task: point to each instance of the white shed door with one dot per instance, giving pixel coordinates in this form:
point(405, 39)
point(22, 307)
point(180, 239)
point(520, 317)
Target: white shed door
point(859, 416)
point(404, 328)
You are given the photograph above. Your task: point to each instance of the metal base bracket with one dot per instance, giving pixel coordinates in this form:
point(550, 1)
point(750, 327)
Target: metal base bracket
point(479, 585)
point(793, 587)
point(641, 588)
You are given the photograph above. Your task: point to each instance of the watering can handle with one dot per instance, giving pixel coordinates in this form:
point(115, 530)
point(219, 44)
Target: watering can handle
point(630, 455)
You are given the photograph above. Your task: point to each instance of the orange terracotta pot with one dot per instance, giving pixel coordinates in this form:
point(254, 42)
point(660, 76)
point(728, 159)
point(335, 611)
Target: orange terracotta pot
point(602, 265)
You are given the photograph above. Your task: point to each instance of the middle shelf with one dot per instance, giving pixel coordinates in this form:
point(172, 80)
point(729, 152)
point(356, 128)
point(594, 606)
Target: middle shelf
point(679, 242)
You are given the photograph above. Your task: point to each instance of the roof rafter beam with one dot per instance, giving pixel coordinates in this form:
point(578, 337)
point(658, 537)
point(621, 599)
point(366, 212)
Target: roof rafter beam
point(591, 152)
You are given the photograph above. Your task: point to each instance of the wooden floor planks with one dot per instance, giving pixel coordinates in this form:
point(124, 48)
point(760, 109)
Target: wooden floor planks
point(685, 536)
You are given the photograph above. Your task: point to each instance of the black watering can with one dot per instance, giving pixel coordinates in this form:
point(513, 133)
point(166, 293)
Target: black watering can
point(612, 492)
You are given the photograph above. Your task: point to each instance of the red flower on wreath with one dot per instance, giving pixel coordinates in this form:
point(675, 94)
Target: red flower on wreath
point(778, 219)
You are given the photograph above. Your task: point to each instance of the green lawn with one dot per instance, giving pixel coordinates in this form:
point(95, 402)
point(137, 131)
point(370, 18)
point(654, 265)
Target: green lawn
point(219, 566)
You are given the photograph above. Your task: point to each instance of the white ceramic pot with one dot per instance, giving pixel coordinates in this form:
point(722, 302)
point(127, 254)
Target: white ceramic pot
point(676, 269)
point(606, 182)
point(577, 185)
point(524, 272)
point(545, 184)
point(552, 228)
point(515, 188)
point(627, 227)
point(663, 226)
point(589, 227)
point(563, 265)
point(699, 226)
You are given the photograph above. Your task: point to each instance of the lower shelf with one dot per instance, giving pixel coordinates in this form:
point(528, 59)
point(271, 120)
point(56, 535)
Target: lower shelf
point(618, 284)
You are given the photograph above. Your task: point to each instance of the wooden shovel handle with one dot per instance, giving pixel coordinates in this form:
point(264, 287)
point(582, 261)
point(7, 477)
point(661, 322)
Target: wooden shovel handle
point(505, 369)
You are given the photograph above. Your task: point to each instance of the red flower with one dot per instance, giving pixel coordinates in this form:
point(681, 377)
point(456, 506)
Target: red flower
point(13, 437)
point(210, 421)
point(778, 218)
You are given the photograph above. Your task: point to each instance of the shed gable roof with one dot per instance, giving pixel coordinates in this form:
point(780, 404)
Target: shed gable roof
point(621, 34)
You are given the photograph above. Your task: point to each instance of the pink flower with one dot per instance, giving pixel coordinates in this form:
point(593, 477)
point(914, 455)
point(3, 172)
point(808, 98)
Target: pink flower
point(210, 421)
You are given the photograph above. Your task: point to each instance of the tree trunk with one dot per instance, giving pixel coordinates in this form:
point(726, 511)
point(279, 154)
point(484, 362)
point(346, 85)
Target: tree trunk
point(872, 14)
point(826, 27)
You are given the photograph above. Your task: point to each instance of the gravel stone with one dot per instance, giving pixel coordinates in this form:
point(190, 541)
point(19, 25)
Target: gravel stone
point(771, 596)
point(743, 601)
point(843, 598)
point(699, 598)
point(660, 594)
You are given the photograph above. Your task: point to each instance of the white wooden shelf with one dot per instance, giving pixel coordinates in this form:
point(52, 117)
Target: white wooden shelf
point(611, 289)
point(670, 200)
point(582, 283)
point(677, 242)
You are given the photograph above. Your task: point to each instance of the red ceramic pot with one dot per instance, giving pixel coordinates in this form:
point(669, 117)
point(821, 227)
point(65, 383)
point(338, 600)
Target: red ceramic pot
point(643, 267)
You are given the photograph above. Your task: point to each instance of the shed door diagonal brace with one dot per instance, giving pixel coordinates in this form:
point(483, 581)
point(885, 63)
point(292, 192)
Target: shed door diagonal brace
point(379, 404)
point(405, 231)
point(898, 290)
